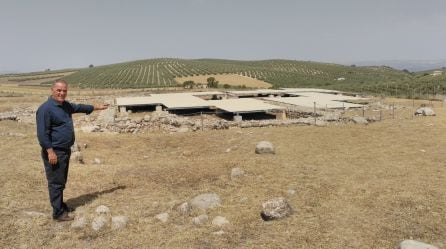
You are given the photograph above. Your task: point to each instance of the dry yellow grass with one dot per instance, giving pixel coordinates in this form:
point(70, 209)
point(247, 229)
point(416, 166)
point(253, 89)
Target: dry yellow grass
point(230, 79)
point(356, 186)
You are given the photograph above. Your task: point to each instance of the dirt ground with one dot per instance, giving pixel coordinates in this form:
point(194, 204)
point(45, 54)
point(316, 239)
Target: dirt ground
point(355, 186)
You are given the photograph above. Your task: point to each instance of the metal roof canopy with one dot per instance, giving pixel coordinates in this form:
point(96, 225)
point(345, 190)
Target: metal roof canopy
point(256, 92)
point(171, 101)
point(315, 90)
point(136, 101)
point(327, 96)
point(308, 102)
point(244, 105)
point(207, 93)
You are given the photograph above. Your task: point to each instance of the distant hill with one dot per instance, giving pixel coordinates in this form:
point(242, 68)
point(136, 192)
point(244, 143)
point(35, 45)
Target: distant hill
point(279, 73)
point(169, 72)
point(411, 65)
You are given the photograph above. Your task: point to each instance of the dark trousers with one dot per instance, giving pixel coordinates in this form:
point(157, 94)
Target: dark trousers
point(57, 178)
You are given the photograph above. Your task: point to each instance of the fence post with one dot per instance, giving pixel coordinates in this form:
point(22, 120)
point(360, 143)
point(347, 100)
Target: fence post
point(363, 111)
point(314, 113)
point(380, 114)
point(393, 110)
point(201, 117)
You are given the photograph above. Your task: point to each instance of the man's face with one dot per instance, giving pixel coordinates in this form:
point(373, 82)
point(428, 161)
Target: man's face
point(59, 92)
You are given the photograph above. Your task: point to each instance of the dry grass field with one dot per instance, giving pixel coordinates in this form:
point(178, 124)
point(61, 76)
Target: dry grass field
point(230, 79)
point(355, 186)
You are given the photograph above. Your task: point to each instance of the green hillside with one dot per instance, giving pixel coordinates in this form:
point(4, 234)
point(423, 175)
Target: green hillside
point(280, 73)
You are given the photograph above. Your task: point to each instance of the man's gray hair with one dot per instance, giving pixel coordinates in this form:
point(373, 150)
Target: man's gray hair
point(59, 81)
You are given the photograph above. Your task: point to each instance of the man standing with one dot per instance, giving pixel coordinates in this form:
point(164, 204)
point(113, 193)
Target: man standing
point(55, 132)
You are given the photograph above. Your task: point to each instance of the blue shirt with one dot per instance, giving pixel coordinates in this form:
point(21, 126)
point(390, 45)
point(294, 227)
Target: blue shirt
point(55, 125)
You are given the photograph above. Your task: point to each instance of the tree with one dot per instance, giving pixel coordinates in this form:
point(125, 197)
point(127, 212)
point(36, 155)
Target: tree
point(189, 84)
point(91, 65)
point(226, 86)
point(212, 83)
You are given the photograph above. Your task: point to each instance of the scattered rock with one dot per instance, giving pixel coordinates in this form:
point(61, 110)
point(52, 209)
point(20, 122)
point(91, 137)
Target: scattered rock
point(237, 173)
point(220, 221)
point(35, 214)
point(291, 192)
point(77, 157)
point(102, 209)
point(206, 201)
point(119, 222)
point(79, 223)
point(12, 134)
point(320, 123)
point(75, 147)
point(186, 153)
point(275, 208)
point(200, 220)
point(425, 111)
point(413, 244)
point(6, 116)
point(163, 217)
point(97, 161)
point(107, 116)
point(183, 129)
point(360, 120)
point(221, 232)
point(99, 223)
point(265, 147)
point(90, 128)
point(332, 116)
point(184, 208)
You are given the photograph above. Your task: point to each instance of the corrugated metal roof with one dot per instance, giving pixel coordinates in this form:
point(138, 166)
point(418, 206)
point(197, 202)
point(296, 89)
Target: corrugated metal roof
point(244, 105)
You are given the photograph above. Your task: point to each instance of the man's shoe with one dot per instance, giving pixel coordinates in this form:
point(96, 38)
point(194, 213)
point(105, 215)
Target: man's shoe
point(64, 217)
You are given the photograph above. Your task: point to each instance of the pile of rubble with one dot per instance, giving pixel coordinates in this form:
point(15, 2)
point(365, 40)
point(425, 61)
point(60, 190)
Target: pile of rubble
point(162, 121)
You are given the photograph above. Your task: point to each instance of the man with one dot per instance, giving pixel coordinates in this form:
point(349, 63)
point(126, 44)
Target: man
point(55, 132)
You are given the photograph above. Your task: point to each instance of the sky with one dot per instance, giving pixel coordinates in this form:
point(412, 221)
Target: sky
point(57, 34)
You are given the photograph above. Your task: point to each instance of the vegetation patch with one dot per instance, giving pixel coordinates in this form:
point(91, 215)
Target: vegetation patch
point(231, 80)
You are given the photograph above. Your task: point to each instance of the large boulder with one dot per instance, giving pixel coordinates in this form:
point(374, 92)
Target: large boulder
point(265, 147)
point(425, 111)
point(107, 116)
point(413, 244)
point(275, 208)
